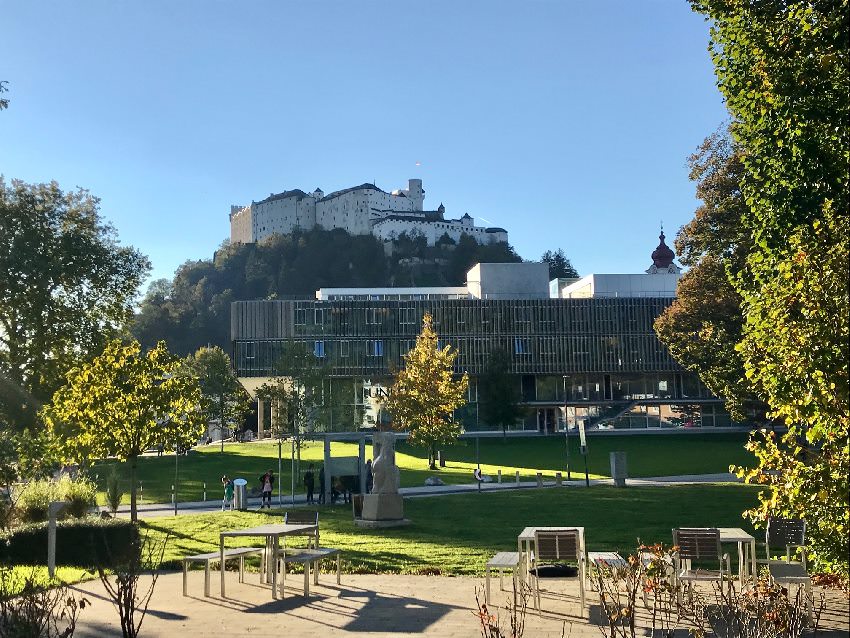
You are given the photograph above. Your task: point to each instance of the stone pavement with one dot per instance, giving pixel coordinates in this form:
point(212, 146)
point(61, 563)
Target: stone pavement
point(155, 510)
point(363, 605)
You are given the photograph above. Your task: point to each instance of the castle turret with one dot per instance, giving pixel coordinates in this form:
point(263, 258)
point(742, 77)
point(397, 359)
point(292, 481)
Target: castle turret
point(416, 193)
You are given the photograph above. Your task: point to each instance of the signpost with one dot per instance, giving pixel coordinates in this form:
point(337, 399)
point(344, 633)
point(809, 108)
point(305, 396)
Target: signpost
point(583, 441)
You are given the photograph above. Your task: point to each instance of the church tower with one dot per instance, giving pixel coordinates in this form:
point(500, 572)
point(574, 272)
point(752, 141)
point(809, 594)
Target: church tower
point(662, 259)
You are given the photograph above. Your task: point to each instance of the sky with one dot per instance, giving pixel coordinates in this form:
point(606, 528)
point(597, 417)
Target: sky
point(567, 122)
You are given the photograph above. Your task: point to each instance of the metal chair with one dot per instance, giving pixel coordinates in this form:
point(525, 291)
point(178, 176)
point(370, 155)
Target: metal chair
point(557, 546)
point(703, 545)
point(789, 534)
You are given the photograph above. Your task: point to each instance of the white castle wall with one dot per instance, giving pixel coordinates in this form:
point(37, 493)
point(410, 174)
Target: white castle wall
point(359, 211)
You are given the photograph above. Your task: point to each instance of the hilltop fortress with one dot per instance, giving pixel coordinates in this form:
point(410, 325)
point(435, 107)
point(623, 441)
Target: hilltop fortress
point(360, 210)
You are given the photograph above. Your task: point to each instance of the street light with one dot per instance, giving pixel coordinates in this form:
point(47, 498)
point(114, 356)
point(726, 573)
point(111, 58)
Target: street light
point(566, 430)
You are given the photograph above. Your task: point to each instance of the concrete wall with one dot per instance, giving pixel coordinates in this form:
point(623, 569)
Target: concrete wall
point(624, 285)
point(527, 280)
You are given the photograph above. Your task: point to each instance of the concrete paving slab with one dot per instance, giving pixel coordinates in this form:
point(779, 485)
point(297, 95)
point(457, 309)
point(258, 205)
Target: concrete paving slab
point(376, 606)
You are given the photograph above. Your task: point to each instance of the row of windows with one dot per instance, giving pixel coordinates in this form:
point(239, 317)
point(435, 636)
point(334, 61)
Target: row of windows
point(564, 354)
point(390, 318)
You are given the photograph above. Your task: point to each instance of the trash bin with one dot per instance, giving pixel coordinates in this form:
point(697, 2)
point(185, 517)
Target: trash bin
point(240, 494)
point(619, 469)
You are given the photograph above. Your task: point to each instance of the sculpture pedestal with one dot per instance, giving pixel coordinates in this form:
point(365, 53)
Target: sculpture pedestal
point(382, 510)
point(383, 507)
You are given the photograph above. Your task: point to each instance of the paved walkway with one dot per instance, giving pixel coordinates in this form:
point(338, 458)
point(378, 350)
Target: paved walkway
point(373, 606)
point(154, 510)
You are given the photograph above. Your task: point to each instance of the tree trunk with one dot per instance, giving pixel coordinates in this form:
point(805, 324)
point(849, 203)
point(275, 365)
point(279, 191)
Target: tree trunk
point(432, 457)
point(133, 486)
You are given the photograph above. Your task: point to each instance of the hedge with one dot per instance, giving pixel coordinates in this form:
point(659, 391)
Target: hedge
point(79, 543)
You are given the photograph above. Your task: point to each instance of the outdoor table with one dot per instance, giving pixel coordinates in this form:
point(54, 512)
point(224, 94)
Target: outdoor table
point(272, 533)
point(746, 550)
point(526, 538)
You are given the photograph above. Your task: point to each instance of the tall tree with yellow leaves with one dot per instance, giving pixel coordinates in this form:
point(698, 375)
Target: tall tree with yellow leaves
point(426, 393)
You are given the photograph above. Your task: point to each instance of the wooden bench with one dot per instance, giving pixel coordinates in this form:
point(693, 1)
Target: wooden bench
point(310, 558)
point(214, 557)
point(501, 562)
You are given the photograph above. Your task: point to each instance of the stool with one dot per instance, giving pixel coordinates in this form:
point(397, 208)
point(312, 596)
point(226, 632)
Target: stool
point(502, 561)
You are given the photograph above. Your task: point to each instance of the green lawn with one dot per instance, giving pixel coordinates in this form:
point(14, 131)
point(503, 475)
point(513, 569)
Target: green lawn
point(14, 578)
point(456, 534)
point(648, 455)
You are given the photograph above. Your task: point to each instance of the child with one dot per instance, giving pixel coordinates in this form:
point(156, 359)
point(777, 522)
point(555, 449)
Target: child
point(227, 501)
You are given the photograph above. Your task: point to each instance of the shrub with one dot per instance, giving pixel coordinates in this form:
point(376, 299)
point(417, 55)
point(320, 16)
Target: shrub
point(29, 609)
point(113, 489)
point(79, 543)
point(80, 494)
point(33, 500)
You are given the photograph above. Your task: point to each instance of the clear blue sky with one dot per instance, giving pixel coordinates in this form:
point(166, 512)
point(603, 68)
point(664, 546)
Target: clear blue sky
point(566, 122)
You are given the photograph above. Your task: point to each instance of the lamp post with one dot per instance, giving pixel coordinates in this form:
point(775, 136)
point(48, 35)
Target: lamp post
point(566, 430)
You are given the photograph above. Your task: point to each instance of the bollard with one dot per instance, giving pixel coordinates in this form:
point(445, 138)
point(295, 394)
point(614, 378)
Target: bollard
point(499, 474)
point(205, 491)
point(172, 495)
point(619, 468)
point(517, 478)
point(559, 480)
point(141, 492)
point(540, 479)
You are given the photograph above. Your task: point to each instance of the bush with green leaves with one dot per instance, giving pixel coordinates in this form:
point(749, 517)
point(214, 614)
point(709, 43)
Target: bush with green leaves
point(79, 543)
point(33, 499)
point(80, 494)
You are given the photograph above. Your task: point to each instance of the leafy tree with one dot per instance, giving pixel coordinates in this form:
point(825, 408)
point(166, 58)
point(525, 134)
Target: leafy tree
point(222, 396)
point(124, 402)
point(705, 322)
point(498, 391)
point(782, 67)
point(559, 265)
point(66, 287)
point(799, 334)
point(4, 102)
point(425, 393)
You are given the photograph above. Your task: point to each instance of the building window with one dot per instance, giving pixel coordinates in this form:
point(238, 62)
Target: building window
point(375, 348)
point(319, 349)
point(521, 346)
point(407, 316)
point(372, 316)
point(343, 349)
point(300, 316)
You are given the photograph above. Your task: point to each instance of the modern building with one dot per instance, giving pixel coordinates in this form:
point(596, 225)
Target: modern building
point(586, 354)
point(361, 210)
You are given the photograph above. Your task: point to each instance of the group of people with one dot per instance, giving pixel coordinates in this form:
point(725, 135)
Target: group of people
point(266, 483)
point(266, 487)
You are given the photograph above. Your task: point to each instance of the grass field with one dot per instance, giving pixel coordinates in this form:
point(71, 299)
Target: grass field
point(650, 455)
point(457, 534)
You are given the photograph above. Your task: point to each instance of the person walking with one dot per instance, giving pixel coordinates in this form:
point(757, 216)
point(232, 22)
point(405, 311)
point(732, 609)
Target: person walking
point(227, 501)
point(322, 485)
point(266, 486)
point(310, 483)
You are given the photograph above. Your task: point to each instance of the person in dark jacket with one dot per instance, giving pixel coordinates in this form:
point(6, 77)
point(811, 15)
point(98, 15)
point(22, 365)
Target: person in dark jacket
point(310, 484)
